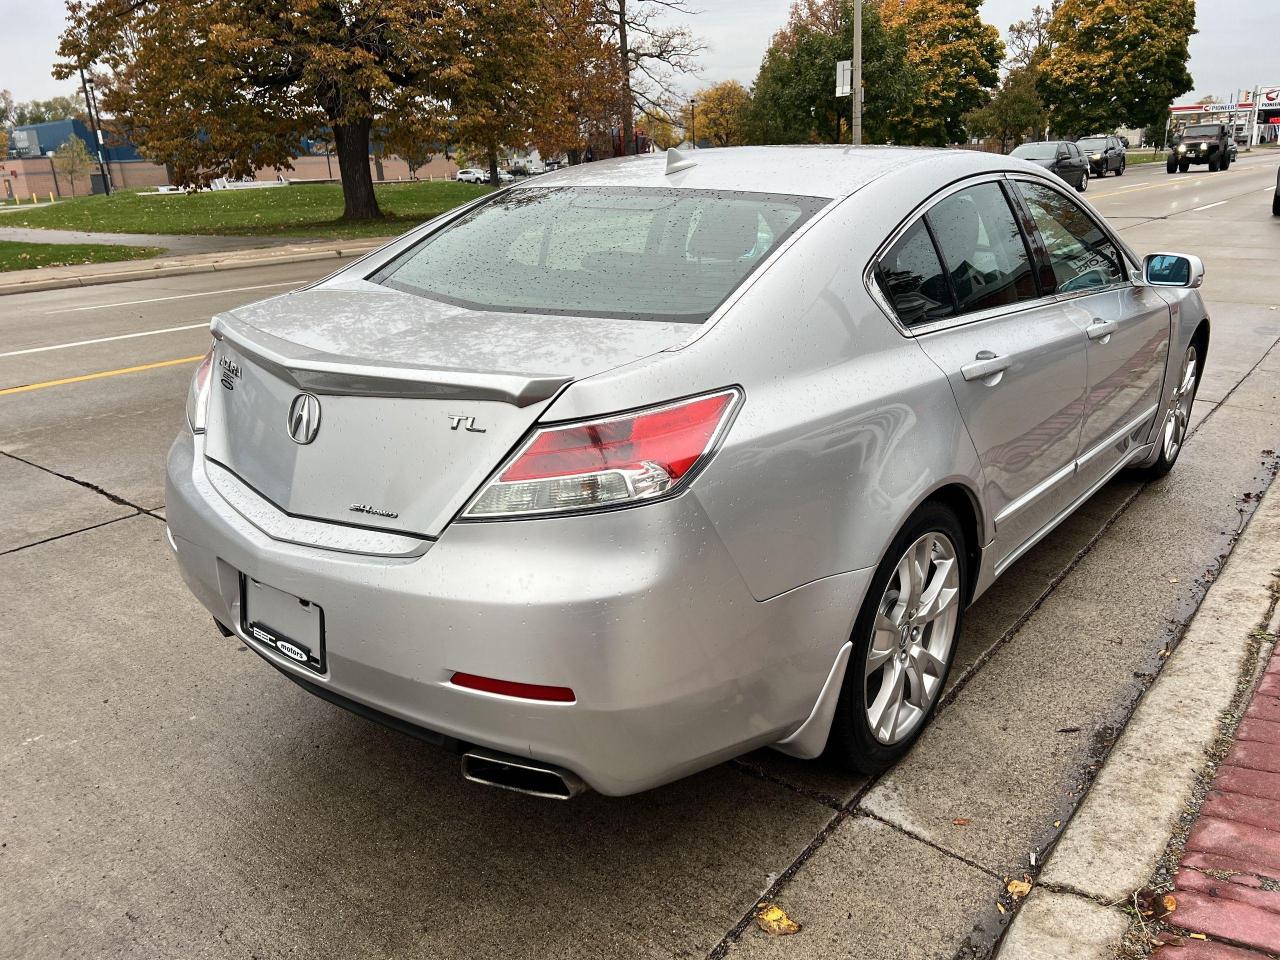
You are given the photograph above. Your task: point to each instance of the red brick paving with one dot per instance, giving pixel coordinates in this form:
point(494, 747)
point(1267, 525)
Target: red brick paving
point(1226, 888)
point(1200, 950)
point(1252, 728)
point(1242, 809)
point(1266, 708)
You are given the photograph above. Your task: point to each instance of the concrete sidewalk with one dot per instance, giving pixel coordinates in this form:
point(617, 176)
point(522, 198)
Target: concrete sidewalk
point(53, 278)
point(1188, 802)
point(173, 243)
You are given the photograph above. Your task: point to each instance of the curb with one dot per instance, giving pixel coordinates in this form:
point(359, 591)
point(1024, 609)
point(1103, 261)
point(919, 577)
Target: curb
point(198, 263)
point(1112, 845)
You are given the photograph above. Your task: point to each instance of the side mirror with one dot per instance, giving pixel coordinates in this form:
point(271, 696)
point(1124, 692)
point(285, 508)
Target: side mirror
point(1172, 270)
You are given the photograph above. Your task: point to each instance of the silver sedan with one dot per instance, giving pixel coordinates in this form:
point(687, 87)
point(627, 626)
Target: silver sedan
point(611, 476)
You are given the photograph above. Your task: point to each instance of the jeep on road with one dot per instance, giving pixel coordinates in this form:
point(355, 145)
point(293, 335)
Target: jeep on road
point(1209, 143)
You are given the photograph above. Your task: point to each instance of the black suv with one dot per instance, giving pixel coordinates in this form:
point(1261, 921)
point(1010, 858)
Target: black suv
point(1105, 153)
point(1210, 143)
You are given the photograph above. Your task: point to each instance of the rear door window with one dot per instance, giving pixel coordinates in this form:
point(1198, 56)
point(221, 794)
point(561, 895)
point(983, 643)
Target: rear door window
point(982, 247)
point(1080, 252)
point(912, 279)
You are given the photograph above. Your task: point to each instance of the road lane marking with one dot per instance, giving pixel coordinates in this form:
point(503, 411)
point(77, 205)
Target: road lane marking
point(98, 376)
point(86, 343)
point(179, 296)
point(1208, 206)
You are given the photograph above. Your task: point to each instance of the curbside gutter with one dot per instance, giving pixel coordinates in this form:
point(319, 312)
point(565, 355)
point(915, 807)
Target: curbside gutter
point(1113, 843)
point(57, 278)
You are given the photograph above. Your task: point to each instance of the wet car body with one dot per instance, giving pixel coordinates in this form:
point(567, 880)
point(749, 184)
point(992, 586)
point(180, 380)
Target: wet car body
point(1062, 157)
point(626, 644)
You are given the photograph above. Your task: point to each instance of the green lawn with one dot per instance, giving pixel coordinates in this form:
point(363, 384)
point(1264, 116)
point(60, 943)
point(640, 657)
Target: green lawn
point(311, 210)
point(28, 256)
point(1132, 157)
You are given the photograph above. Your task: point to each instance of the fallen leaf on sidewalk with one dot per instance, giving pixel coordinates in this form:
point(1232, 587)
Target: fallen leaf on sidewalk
point(1197, 936)
point(1019, 888)
point(1000, 907)
point(1153, 905)
point(961, 821)
point(774, 921)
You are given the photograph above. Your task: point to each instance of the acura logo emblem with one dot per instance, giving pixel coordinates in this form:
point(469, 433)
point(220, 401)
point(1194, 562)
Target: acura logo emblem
point(304, 418)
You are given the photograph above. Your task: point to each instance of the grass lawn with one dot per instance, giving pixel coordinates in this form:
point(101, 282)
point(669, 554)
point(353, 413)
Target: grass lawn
point(304, 210)
point(1132, 157)
point(28, 256)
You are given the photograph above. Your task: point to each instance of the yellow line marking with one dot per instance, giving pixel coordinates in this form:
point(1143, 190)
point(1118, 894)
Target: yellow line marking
point(98, 376)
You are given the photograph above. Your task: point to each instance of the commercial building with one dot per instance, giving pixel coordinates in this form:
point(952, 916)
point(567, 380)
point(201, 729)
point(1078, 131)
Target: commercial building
point(31, 170)
point(1255, 115)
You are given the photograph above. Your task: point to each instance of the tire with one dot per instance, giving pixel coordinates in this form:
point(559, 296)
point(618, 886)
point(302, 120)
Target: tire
point(1184, 166)
point(1084, 182)
point(903, 643)
point(1171, 165)
point(1275, 204)
point(1214, 164)
point(1226, 161)
point(1120, 169)
point(1173, 432)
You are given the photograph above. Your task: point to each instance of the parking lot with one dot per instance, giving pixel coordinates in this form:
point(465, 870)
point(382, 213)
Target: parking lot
point(164, 794)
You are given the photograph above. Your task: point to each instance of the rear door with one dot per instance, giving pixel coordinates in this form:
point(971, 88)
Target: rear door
point(1126, 326)
point(1015, 362)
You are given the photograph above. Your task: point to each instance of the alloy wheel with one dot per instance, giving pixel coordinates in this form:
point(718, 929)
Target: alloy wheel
point(1175, 424)
point(914, 629)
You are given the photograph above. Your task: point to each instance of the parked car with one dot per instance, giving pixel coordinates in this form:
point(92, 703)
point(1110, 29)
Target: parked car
point(1105, 154)
point(1208, 143)
point(1275, 200)
point(599, 512)
point(472, 175)
point(1060, 156)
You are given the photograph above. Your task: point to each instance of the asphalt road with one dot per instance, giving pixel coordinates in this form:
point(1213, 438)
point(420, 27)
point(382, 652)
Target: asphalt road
point(164, 794)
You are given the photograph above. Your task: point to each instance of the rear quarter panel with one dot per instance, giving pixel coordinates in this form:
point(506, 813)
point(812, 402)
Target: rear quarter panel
point(847, 424)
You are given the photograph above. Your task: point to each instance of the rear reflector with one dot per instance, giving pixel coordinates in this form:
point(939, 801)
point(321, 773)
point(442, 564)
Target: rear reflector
point(509, 688)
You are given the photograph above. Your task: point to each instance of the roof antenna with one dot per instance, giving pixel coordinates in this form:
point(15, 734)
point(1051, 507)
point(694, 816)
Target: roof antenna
point(677, 161)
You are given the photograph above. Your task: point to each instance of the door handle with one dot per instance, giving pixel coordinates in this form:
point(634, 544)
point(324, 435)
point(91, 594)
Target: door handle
point(986, 364)
point(1100, 329)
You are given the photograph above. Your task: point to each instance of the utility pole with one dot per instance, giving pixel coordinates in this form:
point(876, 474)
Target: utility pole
point(89, 105)
point(693, 122)
point(857, 73)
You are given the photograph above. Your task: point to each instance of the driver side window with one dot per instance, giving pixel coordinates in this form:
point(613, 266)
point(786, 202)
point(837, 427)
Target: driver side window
point(1081, 254)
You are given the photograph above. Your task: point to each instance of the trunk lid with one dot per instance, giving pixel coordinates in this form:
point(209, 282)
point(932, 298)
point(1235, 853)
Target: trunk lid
point(417, 401)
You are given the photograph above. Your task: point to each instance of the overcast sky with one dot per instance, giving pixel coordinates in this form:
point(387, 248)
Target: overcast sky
point(1233, 50)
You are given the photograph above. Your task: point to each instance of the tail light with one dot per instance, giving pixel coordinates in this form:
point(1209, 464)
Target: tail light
point(609, 462)
point(198, 393)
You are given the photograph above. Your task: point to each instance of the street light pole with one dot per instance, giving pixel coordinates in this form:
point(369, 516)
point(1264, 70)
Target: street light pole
point(90, 103)
point(857, 73)
point(693, 122)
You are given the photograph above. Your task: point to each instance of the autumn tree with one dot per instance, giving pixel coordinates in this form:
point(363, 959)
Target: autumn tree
point(1029, 41)
point(662, 132)
point(508, 81)
point(793, 98)
point(72, 160)
point(224, 87)
point(43, 111)
point(956, 59)
point(586, 99)
point(720, 114)
point(1013, 114)
point(1116, 64)
point(652, 54)
point(6, 118)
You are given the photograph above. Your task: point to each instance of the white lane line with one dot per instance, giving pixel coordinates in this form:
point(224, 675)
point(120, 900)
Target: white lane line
point(85, 343)
point(179, 296)
point(1208, 206)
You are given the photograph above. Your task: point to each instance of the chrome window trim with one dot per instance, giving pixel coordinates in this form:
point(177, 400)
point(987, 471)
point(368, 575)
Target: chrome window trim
point(964, 319)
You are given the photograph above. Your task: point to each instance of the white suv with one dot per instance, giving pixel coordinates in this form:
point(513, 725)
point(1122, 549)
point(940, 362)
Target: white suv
point(472, 175)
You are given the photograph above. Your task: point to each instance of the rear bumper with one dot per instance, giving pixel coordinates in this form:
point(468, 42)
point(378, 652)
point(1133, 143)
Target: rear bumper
point(675, 666)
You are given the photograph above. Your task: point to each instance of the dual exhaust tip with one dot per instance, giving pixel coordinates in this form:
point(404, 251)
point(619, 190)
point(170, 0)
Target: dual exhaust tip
point(530, 777)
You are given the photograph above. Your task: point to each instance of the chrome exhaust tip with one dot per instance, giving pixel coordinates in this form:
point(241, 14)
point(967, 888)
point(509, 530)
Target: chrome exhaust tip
point(529, 777)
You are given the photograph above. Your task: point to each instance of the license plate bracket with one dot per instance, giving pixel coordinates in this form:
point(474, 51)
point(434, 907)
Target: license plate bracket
point(288, 625)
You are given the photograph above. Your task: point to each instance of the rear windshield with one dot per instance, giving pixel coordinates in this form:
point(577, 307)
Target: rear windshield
point(1037, 151)
point(1204, 130)
point(637, 253)
point(1093, 143)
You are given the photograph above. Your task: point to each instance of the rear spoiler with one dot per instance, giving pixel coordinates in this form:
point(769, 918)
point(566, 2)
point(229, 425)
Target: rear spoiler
point(320, 372)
